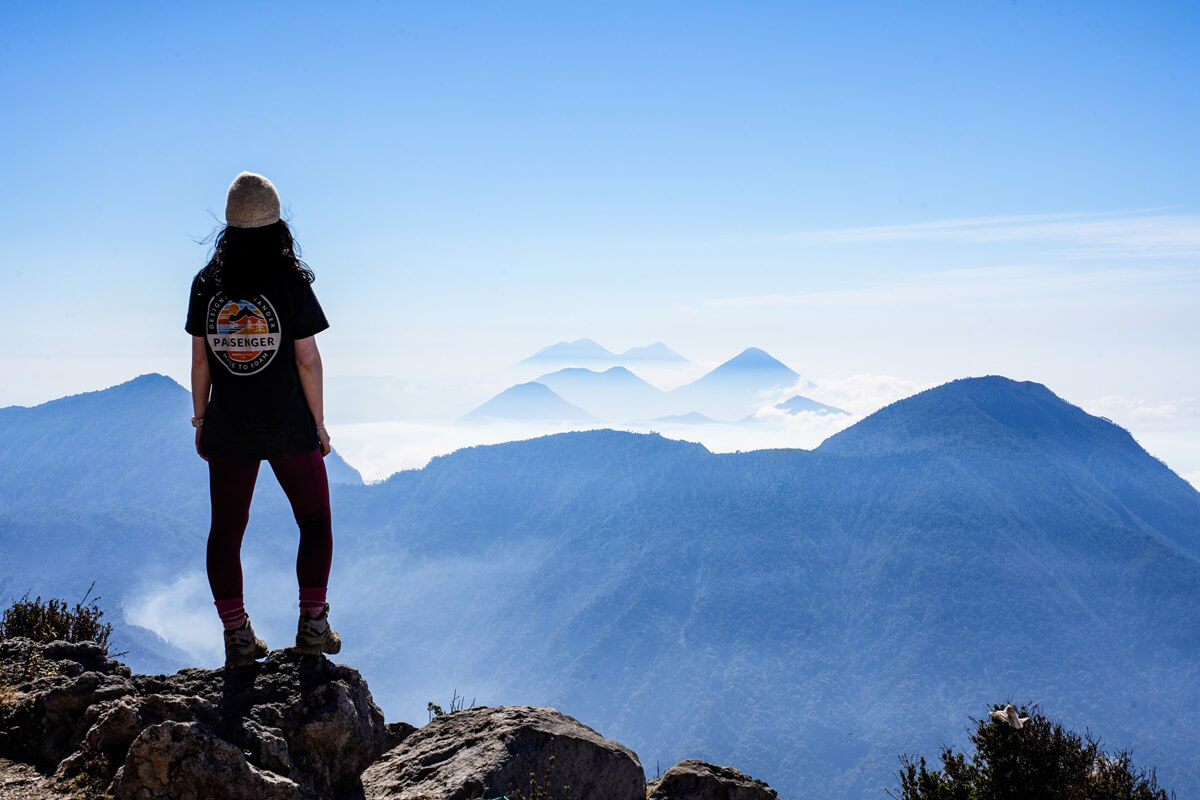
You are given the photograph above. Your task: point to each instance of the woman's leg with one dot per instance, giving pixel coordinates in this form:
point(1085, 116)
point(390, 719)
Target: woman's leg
point(306, 485)
point(231, 486)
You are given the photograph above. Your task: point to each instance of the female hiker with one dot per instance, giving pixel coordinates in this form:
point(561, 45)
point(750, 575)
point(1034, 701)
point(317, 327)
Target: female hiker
point(257, 395)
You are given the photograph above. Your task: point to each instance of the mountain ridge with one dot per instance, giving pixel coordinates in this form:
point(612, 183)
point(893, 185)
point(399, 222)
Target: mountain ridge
point(804, 614)
point(69, 437)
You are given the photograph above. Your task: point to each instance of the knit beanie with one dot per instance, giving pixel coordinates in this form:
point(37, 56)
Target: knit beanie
point(252, 202)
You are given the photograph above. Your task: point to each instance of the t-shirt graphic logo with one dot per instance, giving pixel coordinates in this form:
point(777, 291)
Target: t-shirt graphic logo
point(243, 334)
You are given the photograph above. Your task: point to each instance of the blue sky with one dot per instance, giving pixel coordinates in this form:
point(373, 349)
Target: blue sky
point(926, 190)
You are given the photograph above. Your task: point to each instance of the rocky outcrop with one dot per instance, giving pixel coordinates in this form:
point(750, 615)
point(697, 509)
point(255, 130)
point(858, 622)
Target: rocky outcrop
point(187, 761)
point(294, 728)
point(291, 726)
point(490, 752)
point(699, 780)
point(42, 719)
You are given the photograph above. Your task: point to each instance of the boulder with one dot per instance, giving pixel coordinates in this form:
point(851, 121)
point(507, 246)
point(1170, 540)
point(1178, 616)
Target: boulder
point(397, 732)
point(490, 752)
point(186, 761)
point(698, 780)
point(290, 726)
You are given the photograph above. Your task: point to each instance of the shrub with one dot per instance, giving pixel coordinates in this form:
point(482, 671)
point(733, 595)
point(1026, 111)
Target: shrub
point(54, 620)
point(1040, 761)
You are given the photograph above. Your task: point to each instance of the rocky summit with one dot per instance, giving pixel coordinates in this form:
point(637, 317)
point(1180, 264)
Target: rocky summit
point(75, 723)
point(487, 752)
point(693, 778)
point(288, 727)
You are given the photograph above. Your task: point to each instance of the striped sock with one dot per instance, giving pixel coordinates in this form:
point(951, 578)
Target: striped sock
point(312, 601)
point(233, 613)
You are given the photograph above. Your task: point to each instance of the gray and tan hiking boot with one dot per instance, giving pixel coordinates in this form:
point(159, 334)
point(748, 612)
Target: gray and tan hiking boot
point(314, 636)
point(242, 647)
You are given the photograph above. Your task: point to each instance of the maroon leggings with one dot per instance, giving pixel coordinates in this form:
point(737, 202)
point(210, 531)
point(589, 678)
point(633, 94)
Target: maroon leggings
point(231, 485)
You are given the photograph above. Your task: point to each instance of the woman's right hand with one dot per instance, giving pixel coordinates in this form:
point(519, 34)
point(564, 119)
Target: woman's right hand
point(323, 438)
point(199, 448)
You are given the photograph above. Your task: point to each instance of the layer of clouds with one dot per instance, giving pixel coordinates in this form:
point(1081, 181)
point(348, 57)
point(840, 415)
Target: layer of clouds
point(181, 611)
point(1131, 408)
point(378, 449)
point(949, 288)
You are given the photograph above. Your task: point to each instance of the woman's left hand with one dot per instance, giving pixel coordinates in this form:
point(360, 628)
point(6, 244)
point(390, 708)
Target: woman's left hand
point(323, 437)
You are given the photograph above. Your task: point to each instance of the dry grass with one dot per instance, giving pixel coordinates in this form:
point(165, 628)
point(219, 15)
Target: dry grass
point(54, 620)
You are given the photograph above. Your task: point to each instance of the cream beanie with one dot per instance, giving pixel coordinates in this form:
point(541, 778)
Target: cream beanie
point(252, 202)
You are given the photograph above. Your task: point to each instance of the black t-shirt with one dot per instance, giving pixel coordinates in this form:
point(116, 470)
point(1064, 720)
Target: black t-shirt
point(257, 407)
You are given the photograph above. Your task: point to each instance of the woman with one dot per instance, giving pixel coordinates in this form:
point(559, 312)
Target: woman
point(257, 395)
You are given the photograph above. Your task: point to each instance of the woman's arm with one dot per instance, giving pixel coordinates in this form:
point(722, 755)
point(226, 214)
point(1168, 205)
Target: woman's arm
point(201, 385)
point(308, 365)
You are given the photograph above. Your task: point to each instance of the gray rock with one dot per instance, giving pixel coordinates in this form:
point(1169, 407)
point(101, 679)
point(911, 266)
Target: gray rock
point(698, 780)
point(52, 686)
point(186, 761)
point(89, 656)
point(301, 724)
point(43, 721)
point(397, 732)
point(112, 727)
point(489, 752)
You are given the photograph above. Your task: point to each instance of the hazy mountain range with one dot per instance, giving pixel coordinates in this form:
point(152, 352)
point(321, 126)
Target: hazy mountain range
point(584, 350)
point(730, 392)
point(806, 615)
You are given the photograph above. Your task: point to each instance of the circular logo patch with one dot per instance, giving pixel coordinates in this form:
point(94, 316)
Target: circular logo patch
point(243, 334)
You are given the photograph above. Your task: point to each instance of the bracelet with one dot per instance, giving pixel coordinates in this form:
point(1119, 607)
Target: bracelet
point(197, 422)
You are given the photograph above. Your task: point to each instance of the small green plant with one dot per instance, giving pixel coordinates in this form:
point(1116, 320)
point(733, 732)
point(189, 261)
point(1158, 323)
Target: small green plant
point(541, 788)
point(18, 671)
point(538, 789)
point(457, 703)
point(53, 620)
point(94, 781)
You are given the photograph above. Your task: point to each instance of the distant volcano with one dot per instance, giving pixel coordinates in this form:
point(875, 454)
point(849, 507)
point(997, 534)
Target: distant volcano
point(578, 350)
point(588, 351)
point(615, 394)
point(753, 367)
point(735, 388)
point(800, 404)
point(528, 401)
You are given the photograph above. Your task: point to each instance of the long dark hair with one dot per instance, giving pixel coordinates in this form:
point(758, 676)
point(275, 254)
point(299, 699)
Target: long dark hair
point(248, 257)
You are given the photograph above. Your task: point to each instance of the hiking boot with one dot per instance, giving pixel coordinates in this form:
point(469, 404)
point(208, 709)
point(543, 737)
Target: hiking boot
point(314, 636)
point(242, 647)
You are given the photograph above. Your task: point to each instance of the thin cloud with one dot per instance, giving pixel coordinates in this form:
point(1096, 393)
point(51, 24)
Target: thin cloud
point(1126, 234)
point(1120, 407)
point(955, 286)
